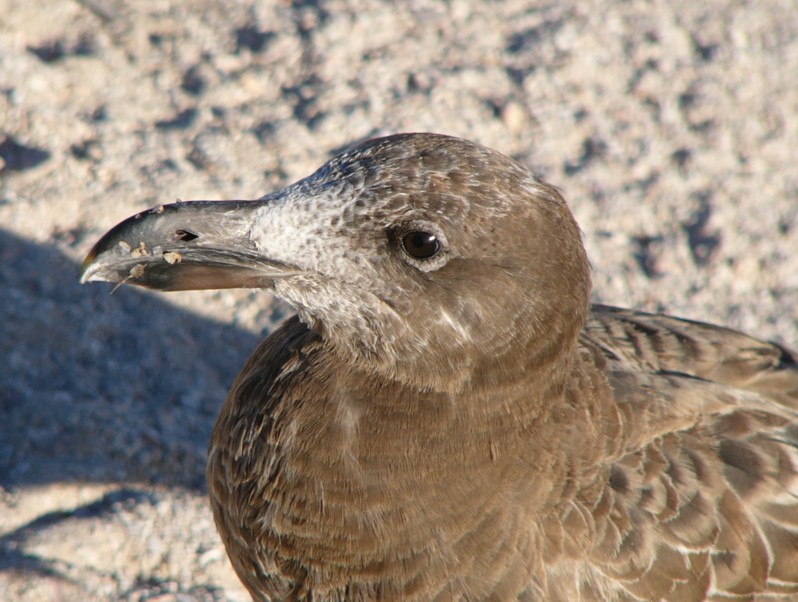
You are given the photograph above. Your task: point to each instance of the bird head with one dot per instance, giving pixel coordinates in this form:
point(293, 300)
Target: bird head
point(426, 258)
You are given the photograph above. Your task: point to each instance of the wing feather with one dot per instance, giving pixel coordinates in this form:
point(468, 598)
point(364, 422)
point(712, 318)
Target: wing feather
point(700, 499)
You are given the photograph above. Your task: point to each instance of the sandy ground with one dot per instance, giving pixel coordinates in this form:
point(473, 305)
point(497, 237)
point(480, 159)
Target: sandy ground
point(672, 127)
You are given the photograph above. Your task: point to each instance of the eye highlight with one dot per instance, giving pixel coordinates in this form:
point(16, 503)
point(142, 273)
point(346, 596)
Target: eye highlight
point(420, 245)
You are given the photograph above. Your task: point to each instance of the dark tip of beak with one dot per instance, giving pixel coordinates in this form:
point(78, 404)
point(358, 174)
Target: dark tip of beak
point(183, 246)
point(185, 235)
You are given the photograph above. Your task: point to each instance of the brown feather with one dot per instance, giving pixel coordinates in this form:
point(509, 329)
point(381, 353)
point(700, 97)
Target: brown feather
point(467, 427)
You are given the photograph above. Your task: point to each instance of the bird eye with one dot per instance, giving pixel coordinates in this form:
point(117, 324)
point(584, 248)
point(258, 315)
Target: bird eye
point(421, 245)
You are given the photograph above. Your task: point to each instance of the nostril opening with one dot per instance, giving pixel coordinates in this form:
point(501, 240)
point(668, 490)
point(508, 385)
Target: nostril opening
point(185, 235)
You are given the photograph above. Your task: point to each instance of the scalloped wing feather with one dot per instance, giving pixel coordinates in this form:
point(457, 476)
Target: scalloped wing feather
point(702, 499)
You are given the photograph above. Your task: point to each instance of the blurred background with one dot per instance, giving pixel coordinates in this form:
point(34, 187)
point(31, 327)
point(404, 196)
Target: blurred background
point(671, 127)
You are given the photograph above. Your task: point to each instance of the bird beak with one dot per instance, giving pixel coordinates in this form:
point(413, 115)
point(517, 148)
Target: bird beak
point(184, 246)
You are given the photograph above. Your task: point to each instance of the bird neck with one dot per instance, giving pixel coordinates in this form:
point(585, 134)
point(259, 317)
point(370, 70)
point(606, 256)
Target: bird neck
point(392, 472)
point(382, 468)
point(494, 412)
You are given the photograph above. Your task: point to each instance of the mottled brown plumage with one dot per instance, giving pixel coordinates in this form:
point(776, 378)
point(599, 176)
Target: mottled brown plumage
point(448, 418)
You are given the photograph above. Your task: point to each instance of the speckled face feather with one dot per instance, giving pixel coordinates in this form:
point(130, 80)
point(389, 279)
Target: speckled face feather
point(340, 228)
